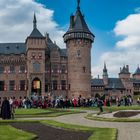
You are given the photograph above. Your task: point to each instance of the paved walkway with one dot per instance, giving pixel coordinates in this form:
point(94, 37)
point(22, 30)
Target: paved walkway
point(126, 131)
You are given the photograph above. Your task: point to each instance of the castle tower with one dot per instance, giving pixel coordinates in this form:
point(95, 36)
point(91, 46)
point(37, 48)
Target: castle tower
point(136, 75)
point(105, 75)
point(35, 61)
point(79, 40)
point(124, 73)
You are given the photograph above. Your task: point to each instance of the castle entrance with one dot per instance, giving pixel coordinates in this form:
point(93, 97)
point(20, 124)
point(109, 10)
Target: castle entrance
point(36, 87)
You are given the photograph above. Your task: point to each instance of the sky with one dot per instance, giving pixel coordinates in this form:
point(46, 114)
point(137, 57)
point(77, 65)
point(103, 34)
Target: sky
point(115, 23)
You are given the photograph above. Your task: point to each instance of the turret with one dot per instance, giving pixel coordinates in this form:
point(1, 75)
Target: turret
point(136, 75)
point(124, 72)
point(105, 75)
point(79, 40)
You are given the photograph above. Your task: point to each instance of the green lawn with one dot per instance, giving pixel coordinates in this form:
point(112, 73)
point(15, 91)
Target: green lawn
point(22, 113)
point(98, 133)
point(8, 132)
point(111, 108)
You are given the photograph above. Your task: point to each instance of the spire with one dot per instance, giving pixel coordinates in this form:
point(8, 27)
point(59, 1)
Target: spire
point(105, 66)
point(34, 22)
point(105, 70)
point(78, 4)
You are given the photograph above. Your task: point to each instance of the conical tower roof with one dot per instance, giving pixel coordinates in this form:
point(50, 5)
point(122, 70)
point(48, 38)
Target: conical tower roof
point(78, 25)
point(137, 72)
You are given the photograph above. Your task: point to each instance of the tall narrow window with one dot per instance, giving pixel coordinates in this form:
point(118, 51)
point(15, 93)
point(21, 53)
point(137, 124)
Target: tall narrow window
point(63, 68)
point(12, 69)
point(84, 69)
point(11, 85)
point(22, 85)
point(63, 84)
point(1, 69)
point(46, 86)
point(1, 85)
point(54, 85)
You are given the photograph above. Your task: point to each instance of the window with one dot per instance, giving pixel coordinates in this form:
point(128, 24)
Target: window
point(84, 69)
point(11, 85)
point(46, 86)
point(47, 68)
point(12, 69)
point(78, 53)
point(22, 69)
point(63, 84)
point(54, 85)
point(1, 69)
point(54, 68)
point(33, 55)
point(36, 66)
point(63, 68)
point(1, 85)
point(22, 85)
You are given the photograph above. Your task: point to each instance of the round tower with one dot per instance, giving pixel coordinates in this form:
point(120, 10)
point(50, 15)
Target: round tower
point(79, 40)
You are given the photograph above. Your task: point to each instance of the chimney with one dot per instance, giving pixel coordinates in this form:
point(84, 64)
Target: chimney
point(120, 69)
point(98, 77)
point(127, 67)
point(71, 21)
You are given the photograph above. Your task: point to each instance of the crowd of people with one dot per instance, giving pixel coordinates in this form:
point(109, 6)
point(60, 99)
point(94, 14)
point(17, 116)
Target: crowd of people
point(9, 104)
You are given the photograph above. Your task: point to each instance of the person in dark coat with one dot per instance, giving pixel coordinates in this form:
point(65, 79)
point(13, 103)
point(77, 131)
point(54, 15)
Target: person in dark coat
point(5, 109)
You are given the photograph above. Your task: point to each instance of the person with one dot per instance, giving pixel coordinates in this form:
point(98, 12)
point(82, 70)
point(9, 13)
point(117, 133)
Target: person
point(100, 105)
point(5, 109)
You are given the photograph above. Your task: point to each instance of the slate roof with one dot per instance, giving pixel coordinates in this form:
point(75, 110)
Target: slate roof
point(12, 48)
point(79, 24)
point(124, 71)
point(137, 72)
point(36, 34)
point(136, 81)
point(115, 83)
point(97, 82)
point(63, 52)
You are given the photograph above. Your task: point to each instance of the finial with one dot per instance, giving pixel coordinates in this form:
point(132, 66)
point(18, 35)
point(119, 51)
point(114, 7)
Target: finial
point(34, 22)
point(78, 4)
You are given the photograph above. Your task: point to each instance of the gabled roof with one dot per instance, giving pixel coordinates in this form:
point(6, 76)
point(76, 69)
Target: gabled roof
point(97, 82)
point(12, 48)
point(137, 72)
point(115, 83)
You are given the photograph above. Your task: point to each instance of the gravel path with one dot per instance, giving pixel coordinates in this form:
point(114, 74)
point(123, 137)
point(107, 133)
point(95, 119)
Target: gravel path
point(126, 131)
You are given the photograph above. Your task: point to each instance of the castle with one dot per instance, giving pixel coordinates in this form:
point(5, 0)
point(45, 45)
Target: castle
point(39, 66)
point(125, 85)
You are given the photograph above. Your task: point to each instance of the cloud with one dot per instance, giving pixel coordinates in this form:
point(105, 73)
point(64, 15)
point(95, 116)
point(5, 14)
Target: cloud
point(16, 21)
point(126, 50)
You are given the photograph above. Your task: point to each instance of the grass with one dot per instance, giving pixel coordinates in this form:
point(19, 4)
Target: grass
point(27, 113)
point(98, 133)
point(111, 108)
point(91, 117)
point(8, 132)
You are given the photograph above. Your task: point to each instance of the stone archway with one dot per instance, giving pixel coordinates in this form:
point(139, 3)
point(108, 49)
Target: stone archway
point(36, 86)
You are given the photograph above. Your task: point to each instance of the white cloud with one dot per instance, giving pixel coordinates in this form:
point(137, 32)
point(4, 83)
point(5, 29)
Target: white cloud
point(16, 21)
point(127, 49)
